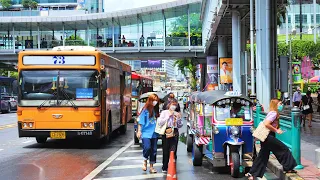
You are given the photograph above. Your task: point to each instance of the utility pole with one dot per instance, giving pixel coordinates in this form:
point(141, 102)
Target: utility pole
point(300, 19)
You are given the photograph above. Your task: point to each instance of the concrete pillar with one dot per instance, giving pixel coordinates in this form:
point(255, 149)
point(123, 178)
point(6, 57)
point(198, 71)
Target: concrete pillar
point(13, 39)
point(243, 60)
point(88, 34)
point(222, 52)
point(64, 34)
point(266, 59)
point(236, 43)
point(189, 40)
point(38, 33)
point(113, 35)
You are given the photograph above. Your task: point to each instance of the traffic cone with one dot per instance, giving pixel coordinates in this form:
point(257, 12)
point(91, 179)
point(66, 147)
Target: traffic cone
point(172, 172)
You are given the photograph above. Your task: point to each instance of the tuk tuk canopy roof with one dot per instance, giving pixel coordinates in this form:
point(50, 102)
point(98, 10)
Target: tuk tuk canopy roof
point(217, 96)
point(146, 95)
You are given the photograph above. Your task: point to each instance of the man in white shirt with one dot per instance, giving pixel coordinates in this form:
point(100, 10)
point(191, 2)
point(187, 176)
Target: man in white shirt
point(225, 75)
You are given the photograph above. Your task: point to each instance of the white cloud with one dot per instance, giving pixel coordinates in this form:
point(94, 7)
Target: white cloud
point(116, 5)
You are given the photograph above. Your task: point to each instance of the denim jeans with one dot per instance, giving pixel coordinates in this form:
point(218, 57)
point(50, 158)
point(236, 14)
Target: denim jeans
point(150, 149)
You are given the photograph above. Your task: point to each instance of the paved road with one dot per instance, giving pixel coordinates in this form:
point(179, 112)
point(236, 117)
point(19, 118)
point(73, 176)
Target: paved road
point(74, 159)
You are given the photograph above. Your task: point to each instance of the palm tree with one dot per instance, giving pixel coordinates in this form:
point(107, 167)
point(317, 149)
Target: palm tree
point(188, 64)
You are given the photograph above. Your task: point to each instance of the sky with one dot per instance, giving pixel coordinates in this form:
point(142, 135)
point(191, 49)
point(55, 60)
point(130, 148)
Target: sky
point(116, 5)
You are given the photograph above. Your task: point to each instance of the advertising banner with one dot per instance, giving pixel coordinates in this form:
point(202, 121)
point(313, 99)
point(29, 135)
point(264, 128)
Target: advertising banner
point(212, 72)
point(151, 64)
point(296, 71)
point(225, 70)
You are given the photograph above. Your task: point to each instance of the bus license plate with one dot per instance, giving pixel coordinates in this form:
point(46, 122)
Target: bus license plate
point(58, 135)
point(234, 121)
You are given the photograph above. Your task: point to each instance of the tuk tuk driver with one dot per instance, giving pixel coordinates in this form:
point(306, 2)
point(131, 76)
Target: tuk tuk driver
point(236, 111)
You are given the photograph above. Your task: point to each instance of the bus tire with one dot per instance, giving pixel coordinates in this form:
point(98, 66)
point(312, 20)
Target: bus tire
point(41, 140)
point(189, 141)
point(108, 136)
point(123, 128)
point(197, 155)
point(135, 138)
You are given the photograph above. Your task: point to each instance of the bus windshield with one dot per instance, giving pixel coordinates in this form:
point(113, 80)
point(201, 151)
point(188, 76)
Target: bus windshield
point(59, 87)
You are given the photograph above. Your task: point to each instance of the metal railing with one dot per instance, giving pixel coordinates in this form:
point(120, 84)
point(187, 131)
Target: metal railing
point(291, 127)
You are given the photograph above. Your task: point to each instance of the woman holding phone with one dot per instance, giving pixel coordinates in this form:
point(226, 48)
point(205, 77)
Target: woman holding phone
point(170, 140)
point(146, 131)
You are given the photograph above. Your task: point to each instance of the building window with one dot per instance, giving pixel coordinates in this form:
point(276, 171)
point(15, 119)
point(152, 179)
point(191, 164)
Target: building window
point(289, 19)
point(317, 18)
point(304, 19)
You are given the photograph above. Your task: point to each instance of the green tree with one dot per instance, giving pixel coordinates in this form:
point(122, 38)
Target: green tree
point(74, 41)
point(6, 4)
point(5, 68)
point(29, 4)
point(282, 11)
point(185, 65)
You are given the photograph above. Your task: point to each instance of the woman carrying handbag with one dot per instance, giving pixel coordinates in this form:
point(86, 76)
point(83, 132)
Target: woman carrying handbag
point(172, 120)
point(268, 128)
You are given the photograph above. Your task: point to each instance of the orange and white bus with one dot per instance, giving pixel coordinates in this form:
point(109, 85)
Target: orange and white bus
point(72, 91)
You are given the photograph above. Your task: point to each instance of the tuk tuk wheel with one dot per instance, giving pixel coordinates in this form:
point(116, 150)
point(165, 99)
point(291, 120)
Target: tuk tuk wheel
point(197, 155)
point(235, 164)
point(189, 141)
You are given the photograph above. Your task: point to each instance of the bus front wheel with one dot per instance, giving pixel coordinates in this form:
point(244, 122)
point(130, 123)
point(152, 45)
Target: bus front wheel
point(41, 139)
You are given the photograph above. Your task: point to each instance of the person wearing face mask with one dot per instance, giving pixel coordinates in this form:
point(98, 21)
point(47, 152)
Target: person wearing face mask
point(171, 98)
point(297, 97)
point(174, 121)
point(146, 131)
point(280, 150)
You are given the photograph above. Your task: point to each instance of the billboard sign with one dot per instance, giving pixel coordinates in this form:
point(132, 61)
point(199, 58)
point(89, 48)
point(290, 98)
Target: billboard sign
point(151, 64)
point(225, 70)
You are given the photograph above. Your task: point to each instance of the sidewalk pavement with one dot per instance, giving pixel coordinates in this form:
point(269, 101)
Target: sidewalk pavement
point(309, 172)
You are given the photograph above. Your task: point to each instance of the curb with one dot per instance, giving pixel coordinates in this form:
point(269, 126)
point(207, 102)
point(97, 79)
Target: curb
point(276, 168)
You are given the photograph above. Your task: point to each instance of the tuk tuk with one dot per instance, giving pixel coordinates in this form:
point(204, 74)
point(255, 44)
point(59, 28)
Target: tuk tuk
point(222, 131)
point(141, 102)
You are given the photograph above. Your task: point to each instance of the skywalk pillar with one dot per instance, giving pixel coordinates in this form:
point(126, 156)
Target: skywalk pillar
point(236, 48)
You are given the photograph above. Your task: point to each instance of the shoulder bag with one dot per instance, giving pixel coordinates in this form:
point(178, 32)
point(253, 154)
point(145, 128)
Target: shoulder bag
point(306, 107)
point(261, 132)
point(161, 129)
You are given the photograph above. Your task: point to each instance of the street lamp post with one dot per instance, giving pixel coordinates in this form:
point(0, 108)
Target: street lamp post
point(290, 68)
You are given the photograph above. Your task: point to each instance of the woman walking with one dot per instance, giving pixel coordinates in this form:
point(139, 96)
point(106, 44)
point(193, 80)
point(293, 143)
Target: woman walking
point(170, 143)
point(272, 144)
point(307, 109)
point(146, 130)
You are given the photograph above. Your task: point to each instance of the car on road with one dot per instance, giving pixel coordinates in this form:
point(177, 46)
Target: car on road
point(5, 105)
point(12, 101)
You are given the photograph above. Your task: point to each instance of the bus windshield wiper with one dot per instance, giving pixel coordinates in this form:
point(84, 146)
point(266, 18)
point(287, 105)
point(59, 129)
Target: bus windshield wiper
point(54, 94)
point(69, 99)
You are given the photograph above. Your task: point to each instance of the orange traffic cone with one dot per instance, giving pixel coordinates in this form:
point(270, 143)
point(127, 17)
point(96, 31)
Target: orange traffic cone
point(172, 172)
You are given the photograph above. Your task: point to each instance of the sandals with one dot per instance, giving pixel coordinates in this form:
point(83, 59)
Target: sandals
point(290, 171)
point(144, 166)
point(152, 170)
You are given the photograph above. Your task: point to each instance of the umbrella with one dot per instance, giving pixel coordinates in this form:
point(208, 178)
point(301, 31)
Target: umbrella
point(146, 95)
point(314, 79)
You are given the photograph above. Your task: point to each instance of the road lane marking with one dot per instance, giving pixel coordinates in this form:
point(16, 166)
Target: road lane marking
point(25, 142)
point(8, 126)
point(146, 176)
point(107, 162)
point(134, 146)
point(133, 158)
point(128, 166)
point(140, 150)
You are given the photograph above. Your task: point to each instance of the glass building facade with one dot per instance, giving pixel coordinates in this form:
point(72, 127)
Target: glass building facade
point(173, 27)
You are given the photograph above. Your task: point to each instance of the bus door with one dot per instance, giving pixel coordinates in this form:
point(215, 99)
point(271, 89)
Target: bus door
point(122, 104)
point(103, 103)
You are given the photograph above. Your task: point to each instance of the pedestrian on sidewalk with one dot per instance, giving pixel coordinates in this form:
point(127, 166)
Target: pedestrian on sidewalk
point(146, 131)
point(271, 143)
point(297, 97)
point(307, 110)
point(171, 98)
point(318, 98)
point(172, 119)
